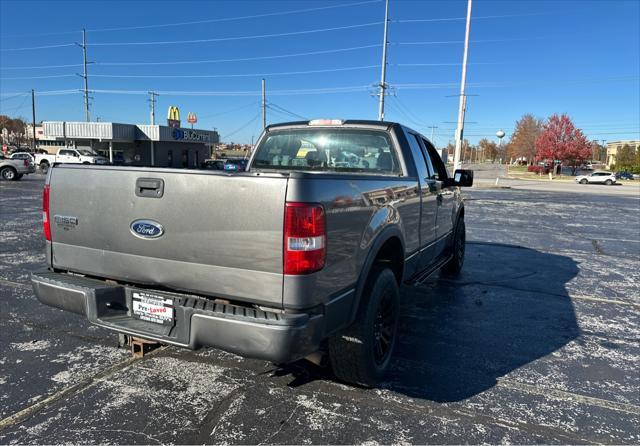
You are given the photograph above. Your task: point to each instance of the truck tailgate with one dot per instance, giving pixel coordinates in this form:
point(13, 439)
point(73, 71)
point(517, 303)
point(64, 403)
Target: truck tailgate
point(222, 233)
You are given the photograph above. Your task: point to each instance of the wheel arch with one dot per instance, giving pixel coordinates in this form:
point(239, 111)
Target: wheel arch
point(387, 249)
point(9, 167)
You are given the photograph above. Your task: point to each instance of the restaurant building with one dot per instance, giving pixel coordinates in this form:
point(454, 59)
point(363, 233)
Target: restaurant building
point(134, 144)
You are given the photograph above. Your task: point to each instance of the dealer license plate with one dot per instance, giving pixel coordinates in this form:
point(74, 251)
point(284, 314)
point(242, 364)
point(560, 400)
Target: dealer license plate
point(152, 308)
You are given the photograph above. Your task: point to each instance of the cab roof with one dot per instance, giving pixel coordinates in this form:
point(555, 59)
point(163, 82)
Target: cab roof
point(348, 122)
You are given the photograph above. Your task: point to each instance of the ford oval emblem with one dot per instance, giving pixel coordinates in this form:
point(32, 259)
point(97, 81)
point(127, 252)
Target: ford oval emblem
point(146, 229)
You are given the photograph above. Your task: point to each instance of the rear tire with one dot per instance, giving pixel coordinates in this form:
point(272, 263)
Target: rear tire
point(454, 266)
point(44, 166)
point(608, 182)
point(583, 181)
point(8, 173)
point(361, 353)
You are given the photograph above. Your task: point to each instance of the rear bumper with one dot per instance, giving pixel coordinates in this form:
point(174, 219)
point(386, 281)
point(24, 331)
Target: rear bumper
point(198, 322)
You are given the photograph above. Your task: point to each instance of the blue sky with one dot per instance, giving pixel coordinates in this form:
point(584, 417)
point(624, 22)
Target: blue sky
point(540, 57)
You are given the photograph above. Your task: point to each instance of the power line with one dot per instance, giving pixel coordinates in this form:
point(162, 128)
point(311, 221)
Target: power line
point(13, 96)
point(226, 39)
point(37, 77)
point(514, 39)
point(196, 76)
point(228, 19)
point(40, 93)
point(271, 105)
point(251, 104)
point(327, 90)
point(242, 127)
point(186, 62)
point(455, 64)
point(13, 109)
point(450, 19)
point(42, 67)
point(62, 45)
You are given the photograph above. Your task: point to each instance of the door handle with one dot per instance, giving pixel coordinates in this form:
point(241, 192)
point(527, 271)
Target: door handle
point(149, 187)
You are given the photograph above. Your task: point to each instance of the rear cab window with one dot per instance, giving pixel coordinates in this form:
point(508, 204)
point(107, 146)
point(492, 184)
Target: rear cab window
point(328, 149)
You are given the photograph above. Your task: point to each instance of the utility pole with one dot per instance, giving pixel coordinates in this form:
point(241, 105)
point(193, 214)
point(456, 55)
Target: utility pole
point(152, 100)
point(33, 115)
point(264, 107)
point(85, 76)
point(383, 74)
point(432, 127)
point(463, 99)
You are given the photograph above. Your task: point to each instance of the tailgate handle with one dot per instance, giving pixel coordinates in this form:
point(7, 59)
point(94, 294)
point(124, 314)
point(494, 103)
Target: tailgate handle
point(149, 187)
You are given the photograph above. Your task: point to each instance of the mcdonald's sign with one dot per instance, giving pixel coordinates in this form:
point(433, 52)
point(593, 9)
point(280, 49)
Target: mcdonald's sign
point(173, 117)
point(192, 118)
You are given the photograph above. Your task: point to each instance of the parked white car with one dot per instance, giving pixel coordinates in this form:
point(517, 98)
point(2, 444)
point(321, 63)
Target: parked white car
point(607, 178)
point(70, 155)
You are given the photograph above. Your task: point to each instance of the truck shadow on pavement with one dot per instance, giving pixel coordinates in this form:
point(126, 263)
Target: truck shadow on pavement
point(457, 337)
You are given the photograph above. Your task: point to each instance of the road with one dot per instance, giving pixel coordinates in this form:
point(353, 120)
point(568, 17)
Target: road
point(536, 342)
point(486, 175)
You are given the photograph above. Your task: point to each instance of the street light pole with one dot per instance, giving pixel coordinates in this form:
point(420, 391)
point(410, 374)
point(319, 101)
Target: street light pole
point(463, 99)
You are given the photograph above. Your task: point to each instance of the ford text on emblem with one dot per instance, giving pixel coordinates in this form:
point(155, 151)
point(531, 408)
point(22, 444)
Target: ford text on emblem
point(146, 229)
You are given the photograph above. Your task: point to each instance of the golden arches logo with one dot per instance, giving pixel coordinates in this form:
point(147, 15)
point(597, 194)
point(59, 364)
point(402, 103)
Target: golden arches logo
point(173, 117)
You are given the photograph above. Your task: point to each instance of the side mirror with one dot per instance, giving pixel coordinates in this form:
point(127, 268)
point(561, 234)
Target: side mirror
point(463, 178)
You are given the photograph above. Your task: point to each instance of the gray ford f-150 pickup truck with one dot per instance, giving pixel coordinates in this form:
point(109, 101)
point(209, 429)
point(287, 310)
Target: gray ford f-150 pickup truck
point(303, 252)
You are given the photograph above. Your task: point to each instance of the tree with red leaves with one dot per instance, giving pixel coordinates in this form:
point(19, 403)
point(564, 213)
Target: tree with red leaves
point(561, 140)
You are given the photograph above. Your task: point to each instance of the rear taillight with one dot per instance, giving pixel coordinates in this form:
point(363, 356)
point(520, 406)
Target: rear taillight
point(305, 241)
point(45, 212)
point(26, 163)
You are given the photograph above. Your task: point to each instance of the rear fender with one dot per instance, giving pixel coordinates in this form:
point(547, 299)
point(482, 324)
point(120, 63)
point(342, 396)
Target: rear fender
point(386, 234)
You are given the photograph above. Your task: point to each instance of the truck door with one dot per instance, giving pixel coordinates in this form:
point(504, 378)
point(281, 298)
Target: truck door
point(429, 201)
point(65, 156)
point(444, 195)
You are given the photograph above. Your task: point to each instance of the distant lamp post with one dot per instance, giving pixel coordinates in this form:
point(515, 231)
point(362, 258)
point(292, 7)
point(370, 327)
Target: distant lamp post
point(500, 134)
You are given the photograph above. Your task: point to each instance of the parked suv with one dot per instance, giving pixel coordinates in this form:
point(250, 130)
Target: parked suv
point(14, 169)
point(607, 178)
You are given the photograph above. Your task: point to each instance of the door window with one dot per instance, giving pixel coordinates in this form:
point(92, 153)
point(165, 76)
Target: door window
point(440, 172)
point(422, 163)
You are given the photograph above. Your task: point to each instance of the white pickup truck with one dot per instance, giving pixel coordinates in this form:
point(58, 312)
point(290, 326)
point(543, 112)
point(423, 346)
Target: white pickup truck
point(69, 155)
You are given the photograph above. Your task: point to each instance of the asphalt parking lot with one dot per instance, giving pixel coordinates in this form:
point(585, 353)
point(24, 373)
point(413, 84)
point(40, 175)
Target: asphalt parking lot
point(538, 341)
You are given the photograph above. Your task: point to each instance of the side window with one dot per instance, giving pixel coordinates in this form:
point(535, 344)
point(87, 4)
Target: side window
point(418, 156)
point(436, 161)
point(65, 153)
